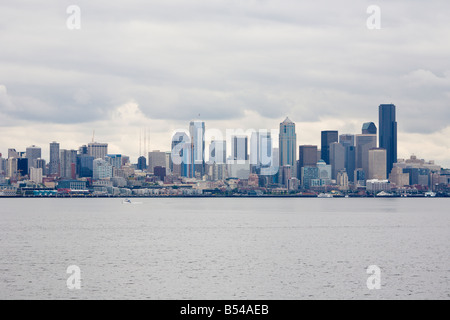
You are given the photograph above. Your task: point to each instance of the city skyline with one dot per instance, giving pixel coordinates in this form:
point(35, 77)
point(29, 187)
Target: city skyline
point(237, 65)
point(338, 136)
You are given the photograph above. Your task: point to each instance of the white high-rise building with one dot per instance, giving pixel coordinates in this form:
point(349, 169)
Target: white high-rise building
point(98, 150)
point(261, 152)
point(36, 175)
point(218, 152)
point(102, 169)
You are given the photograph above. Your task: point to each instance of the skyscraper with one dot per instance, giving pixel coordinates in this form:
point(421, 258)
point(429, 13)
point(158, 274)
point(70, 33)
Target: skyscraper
point(142, 163)
point(364, 142)
point(197, 132)
point(388, 134)
point(54, 159)
point(337, 158)
point(98, 150)
point(218, 152)
point(307, 158)
point(348, 141)
point(40, 164)
point(288, 145)
point(328, 137)
point(261, 153)
point(377, 164)
point(181, 154)
point(369, 128)
point(33, 153)
point(115, 160)
point(22, 167)
point(85, 165)
point(156, 158)
point(68, 164)
point(102, 169)
point(2, 165)
point(239, 148)
point(12, 153)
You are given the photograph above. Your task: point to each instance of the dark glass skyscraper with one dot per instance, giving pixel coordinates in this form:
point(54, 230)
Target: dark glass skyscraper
point(388, 134)
point(328, 137)
point(369, 128)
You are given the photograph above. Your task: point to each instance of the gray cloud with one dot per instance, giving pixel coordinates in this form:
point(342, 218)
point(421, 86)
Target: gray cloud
point(222, 58)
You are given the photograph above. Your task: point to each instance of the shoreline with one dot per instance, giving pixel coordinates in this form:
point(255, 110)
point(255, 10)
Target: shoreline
point(219, 197)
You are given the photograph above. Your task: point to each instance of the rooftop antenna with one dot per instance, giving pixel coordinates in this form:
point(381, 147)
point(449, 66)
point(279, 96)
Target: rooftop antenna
point(148, 141)
point(140, 142)
point(93, 135)
point(145, 141)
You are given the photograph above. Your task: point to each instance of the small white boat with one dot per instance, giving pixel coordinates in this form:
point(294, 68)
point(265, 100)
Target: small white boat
point(384, 194)
point(128, 201)
point(430, 194)
point(325, 195)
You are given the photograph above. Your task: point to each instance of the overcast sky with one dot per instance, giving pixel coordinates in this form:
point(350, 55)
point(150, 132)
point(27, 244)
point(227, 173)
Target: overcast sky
point(236, 63)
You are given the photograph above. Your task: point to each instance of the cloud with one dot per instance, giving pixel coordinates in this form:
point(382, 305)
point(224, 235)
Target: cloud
point(162, 63)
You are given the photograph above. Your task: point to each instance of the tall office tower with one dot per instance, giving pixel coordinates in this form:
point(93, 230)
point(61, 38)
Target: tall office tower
point(36, 175)
point(337, 158)
point(11, 168)
point(33, 153)
point(360, 177)
point(324, 172)
point(369, 128)
point(328, 137)
point(307, 157)
point(239, 148)
point(348, 141)
point(102, 169)
point(115, 160)
point(2, 165)
point(22, 167)
point(377, 164)
point(83, 150)
point(388, 134)
point(12, 153)
point(364, 142)
point(308, 173)
point(97, 150)
point(156, 158)
point(288, 146)
point(218, 152)
point(180, 154)
point(286, 174)
point(85, 165)
point(197, 133)
point(168, 163)
point(68, 164)
point(261, 153)
point(40, 164)
point(142, 163)
point(54, 165)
